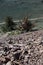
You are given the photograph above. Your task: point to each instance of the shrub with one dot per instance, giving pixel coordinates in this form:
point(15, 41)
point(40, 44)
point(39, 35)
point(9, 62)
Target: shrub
point(27, 25)
point(9, 24)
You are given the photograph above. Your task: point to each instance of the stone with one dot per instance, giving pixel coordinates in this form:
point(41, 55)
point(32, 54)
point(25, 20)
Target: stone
point(7, 59)
point(6, 49)
point(41, 43)
point(17, 55)
point(2, 59)
point(1, 63)
point(9, 63)
point(25, 52)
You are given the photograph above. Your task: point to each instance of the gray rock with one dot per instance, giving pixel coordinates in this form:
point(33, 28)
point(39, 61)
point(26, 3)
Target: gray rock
point(9, 63)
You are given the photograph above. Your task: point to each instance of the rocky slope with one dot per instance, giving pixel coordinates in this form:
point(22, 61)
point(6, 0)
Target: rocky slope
point(23, 49)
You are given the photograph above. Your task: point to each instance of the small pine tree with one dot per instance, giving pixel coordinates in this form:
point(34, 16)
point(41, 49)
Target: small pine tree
point(26, 24)
point(9, 23)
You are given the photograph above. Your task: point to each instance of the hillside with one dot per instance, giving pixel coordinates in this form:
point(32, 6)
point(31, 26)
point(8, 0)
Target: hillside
point(22, 49)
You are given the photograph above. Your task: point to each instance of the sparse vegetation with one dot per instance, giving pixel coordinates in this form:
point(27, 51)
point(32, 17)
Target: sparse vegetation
point(26, 24)
point(9, 24)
